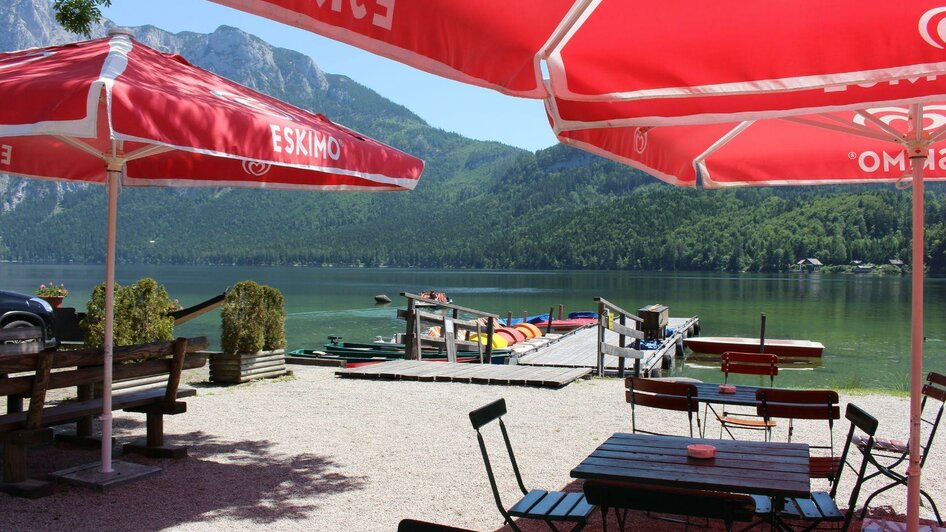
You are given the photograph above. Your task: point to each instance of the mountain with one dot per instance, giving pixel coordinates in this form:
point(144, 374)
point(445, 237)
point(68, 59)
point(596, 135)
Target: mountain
point(478, 204)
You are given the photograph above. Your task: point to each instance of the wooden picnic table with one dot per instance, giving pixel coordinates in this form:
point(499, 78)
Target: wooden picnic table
point(773, 469)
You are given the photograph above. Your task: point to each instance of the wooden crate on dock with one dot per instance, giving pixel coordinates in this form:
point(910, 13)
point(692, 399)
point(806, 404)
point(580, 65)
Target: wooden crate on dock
point(655, 321)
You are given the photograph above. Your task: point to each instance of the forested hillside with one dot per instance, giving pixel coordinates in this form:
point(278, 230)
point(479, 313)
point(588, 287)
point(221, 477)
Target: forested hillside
point(478, 205)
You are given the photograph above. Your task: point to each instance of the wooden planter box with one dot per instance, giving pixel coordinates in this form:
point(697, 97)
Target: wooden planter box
point(243, 367)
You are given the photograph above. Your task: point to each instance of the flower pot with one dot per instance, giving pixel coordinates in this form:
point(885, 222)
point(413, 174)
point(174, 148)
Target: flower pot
point(54, 301)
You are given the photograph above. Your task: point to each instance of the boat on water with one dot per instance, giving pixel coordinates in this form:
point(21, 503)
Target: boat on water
point(787, 348)
point(434, 297)
point(363, 358)
point(359, 354)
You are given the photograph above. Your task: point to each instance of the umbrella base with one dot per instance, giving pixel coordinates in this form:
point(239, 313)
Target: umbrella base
point(91, 476)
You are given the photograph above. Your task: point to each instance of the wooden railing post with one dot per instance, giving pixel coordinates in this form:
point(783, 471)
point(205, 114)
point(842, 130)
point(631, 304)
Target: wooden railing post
point(621, 337)
point(602, 327)
point(410, 332)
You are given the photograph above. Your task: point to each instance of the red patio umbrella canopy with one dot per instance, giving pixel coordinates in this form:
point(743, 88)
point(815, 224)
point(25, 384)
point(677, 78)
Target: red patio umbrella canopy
point(117, 112)
point(173, 124)
point(647, 55)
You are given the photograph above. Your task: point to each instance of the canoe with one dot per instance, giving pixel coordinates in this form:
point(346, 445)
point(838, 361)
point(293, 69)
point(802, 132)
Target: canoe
point(354, 360)
point(531, 331)
point(721, 344)
point(517, 335)
point(566, 325)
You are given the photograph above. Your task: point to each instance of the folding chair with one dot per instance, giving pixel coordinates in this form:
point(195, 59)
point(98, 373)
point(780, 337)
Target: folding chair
point(808, 405)
point(548, 506)
point(414, 525)
point(735, 362)
point(729, 507)
point(665, 395)
point(821, 507)
point(898, 452)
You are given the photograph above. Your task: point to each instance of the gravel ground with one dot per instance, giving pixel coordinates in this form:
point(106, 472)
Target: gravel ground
point(316, 452)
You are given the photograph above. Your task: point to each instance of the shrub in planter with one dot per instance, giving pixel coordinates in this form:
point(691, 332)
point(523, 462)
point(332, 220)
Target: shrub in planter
point(140, 314)
point(274, 321)
point(252, 334)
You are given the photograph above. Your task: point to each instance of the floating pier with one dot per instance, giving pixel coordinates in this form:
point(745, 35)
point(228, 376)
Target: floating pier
point(502, 374)
point(579, 350)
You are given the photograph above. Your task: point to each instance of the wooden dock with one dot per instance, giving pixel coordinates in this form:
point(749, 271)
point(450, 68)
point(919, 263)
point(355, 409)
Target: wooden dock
point(415, 370)
point(579, 350)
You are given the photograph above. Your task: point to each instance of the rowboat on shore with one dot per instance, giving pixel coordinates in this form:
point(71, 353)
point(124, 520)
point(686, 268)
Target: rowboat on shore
point(721, 344)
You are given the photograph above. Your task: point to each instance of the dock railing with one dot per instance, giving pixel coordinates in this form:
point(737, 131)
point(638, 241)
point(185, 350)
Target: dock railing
point(450, 325)
point(614, 318)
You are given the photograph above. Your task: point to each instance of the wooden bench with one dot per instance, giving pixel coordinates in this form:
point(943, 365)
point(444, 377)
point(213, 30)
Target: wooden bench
point(31, 375)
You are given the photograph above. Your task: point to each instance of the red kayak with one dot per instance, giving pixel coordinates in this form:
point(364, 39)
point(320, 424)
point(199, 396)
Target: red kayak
point(787, 348)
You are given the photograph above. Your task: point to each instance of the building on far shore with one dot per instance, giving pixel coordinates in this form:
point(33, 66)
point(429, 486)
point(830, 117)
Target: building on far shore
point(809, 265)
point(896, 262)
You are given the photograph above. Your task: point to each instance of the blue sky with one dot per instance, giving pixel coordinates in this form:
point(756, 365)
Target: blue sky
point(470, 111)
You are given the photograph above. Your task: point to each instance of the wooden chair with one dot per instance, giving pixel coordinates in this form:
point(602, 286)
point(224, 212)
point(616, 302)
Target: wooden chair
point(821, 507)
point(739, 363)
point(808, 405)
point(548, 506)
point(413, 525)
point(896, 453)
point(664, 395)
point(728, 507)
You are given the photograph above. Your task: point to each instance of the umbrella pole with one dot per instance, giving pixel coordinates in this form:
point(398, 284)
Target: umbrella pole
point(916, 347)
point(113, 177)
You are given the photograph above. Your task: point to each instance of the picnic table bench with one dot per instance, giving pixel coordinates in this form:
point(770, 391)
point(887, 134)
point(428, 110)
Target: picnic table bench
point(29, 372)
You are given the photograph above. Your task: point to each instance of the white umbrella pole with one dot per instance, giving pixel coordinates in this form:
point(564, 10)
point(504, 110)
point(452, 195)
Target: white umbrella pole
point(916, 348)
point(113, 178)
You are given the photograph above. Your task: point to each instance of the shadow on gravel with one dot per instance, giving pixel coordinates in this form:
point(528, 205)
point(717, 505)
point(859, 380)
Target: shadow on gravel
point(240, 480)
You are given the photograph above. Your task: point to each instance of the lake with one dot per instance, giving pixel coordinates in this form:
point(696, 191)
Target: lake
point(863, 320)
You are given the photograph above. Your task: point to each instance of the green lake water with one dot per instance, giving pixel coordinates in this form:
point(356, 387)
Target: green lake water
point(864, 321)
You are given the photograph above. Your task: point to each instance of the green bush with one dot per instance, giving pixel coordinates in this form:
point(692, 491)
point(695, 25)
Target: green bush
point(274, 322)
point(253, 319)
point(140, 314)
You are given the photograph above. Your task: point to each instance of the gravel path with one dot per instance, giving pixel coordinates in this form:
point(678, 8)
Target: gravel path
point(322, 453)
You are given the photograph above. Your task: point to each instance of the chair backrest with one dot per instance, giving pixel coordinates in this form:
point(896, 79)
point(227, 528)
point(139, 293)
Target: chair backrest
point(665, 395)
point(750, 364)
point(809, 405)
point(934, 389)
point(414, 525)
point(481, 417)
point(866, 423)
point(677, 501)
point(798, 404)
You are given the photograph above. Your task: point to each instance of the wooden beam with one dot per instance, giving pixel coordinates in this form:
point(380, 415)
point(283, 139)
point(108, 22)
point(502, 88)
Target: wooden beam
point(622, 352)
point(627, 331)
point(94, 356)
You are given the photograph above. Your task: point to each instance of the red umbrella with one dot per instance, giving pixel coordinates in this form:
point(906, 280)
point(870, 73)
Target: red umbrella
point(114, 111)
point(649, 55)
point(895, 144)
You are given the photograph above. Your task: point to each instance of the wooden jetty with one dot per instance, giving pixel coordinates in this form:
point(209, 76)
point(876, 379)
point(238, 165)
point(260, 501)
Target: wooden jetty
point(503, 374)
point(580, 350)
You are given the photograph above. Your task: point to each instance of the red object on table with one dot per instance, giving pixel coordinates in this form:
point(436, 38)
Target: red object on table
point(727, 388)
point(700, 450)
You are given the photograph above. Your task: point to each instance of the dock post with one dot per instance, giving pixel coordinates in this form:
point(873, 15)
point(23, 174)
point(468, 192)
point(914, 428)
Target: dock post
point(548, 327)
point(621, 342)
point(411, 333)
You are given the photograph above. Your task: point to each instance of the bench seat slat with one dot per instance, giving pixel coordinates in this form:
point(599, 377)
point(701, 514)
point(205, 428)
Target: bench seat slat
point(69, 411)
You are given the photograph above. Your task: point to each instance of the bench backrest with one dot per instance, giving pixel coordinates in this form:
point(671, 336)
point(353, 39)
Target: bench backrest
point(170, 357)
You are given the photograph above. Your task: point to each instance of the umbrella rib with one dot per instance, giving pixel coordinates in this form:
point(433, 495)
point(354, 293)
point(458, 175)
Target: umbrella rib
point(147, 151)
point(881, 124)
point(843, 129)
point(75, 143)
point(700, 161)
